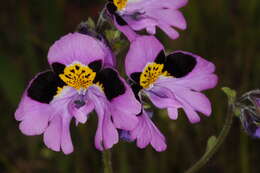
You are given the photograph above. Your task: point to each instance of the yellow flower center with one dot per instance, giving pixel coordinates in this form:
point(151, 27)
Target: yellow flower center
point(120, 4)
point(78, 76)
point(151, 73)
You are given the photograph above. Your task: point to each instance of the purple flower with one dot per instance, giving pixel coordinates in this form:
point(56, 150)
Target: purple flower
point(250, 122)
point(147, 14)
point(172, 81)
point(147, 133)
point(249, 105)
point(77, 83)
point(254, 97)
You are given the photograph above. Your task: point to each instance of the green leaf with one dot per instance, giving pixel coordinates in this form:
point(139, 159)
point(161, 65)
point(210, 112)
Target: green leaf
point(211, 142)
point(231, 94)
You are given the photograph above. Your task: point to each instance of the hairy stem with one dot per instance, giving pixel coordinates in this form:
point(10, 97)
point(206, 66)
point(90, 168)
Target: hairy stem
point(221, 138)
point(107, 161)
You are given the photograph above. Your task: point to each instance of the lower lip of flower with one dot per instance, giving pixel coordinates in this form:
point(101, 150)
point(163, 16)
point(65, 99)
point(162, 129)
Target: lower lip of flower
point(151, 73)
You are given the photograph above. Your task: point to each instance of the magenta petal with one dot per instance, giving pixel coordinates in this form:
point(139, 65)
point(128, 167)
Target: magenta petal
point(201, 77)
point(146, 132)
point(162, 97)
point(153, 4)
point(77, 47)
point(143, 49)
point(34, 116)
point(110, 134)
point(106, 134)
point(172, 113)
point(147, 14)
point(81, 114)
point(190, 101)
point(66, 143)
point(124, 109)
point(126, 30)
point(99, 133)
point(52, 135)
point(197, 100)
point(174, 17)
point(191, 113)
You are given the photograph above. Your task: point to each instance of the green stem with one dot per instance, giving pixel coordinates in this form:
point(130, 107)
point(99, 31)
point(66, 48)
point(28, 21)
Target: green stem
point(101, 20)
point(221, 138)
point(107, 161)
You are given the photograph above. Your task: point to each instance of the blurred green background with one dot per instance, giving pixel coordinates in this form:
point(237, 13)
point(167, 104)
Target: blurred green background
point(226, 32)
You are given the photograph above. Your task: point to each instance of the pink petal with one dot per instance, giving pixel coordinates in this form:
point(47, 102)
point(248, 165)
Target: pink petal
point(66, 143)
point(76, 47)
point(52, 135)
point(34, 116)
point(143, 50)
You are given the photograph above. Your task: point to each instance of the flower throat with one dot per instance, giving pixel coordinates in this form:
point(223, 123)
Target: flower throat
point(120, 4)
point(151, 73)
point(78, 76)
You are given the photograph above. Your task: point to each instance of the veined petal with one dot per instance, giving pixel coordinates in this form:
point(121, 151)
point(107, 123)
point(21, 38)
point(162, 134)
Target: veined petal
point(146, 132)
point(110, 134)
point(201, 77)
point(81, 114)
point(124, 109)
point(143, 49)
point(141, 4)
point(162, 97)
point(106, 134)
point(34, 116)
point(52, 135)
point(66, 143)
point(147, 14)
point(41, 111)
point(190, 101)
point(77, 47)
point(34, 110)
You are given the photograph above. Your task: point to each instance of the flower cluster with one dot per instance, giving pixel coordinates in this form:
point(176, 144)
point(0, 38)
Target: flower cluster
point(83, 78)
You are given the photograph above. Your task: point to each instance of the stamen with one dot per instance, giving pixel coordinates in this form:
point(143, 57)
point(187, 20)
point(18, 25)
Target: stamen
point(120, 4)
point(78, 76)
point(151, 73)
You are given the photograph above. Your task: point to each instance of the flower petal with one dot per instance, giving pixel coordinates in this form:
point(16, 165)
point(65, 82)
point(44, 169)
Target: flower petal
point(110, 134)
point(124, 109)
point(66, 143)
point(162, 97)
point(201, 77)
point(81, 114)
point(190, 101)
point(146, 132)
point(52, 135)
point(147, 14)
point(33, 114)
point(143, 49)
point(172, 113)
point(77, 47)
point(106, 134)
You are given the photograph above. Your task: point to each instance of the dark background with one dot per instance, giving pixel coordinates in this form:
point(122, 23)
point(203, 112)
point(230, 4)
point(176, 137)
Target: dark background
point(226, 32)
